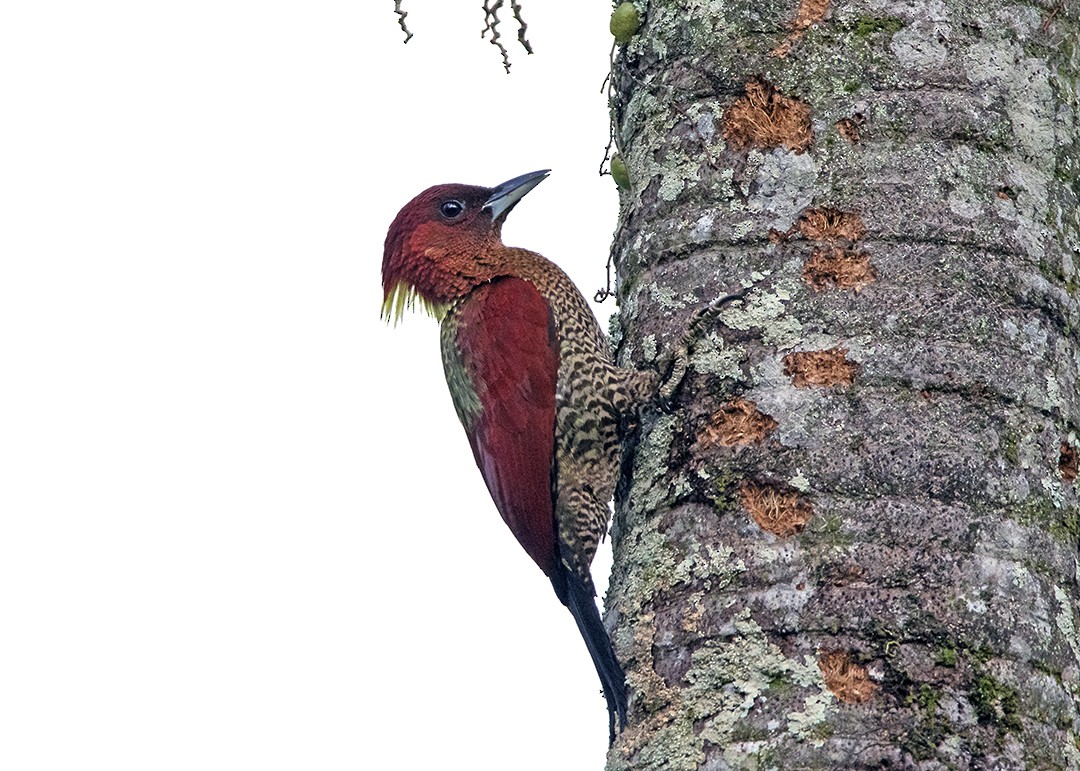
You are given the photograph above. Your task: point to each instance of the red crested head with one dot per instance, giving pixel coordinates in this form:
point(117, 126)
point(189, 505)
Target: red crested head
point(445, 241)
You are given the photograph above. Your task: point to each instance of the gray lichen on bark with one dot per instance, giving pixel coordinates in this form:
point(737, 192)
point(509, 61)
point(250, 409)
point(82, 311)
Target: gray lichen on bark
point(923, 611)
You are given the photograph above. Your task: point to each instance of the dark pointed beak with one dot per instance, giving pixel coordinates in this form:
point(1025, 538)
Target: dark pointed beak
point(504, 196)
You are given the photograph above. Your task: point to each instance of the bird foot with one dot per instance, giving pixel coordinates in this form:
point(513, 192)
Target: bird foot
point(674, 368)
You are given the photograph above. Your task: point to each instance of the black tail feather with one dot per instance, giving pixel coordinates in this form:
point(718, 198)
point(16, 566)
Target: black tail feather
point(580, 600)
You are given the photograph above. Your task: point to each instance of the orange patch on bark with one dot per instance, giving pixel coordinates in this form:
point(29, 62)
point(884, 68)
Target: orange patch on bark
point(851, 128)
point(810, 12)
point(780, 512)
point(841, 268)
point(1067, 462)
point(820, 368)
point(739, 422)
point(776, 237)
point(831, 225)
point(847, 680)
point(766, 118)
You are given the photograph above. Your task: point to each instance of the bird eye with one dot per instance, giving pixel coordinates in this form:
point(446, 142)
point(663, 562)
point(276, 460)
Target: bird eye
point(451, 209)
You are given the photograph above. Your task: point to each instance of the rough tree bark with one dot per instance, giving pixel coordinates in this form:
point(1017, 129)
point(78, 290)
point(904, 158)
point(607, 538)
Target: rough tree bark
point(853, 543)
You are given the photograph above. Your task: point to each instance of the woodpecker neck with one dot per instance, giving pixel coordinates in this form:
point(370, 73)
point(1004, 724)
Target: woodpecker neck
point(441, 275)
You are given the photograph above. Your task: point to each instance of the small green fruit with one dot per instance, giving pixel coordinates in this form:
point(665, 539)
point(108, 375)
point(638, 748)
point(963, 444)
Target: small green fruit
point(619, 172)
point(624, 23)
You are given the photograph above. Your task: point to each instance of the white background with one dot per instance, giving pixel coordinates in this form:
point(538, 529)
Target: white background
point(240, 526)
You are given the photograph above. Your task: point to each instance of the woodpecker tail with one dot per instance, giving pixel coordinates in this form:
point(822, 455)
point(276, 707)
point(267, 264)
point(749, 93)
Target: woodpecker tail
point(579, 599)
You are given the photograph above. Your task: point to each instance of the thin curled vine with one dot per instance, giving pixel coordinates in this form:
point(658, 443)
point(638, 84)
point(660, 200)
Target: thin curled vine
point(401, 19)
point(491, 26)
point(608, 88)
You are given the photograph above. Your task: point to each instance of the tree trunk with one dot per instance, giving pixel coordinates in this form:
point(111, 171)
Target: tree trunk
point(853, 542)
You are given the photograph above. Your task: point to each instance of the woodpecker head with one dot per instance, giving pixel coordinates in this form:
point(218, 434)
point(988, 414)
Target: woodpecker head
point(445, 242)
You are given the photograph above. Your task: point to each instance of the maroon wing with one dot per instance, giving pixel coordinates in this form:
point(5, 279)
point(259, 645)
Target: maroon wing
point(505, 345)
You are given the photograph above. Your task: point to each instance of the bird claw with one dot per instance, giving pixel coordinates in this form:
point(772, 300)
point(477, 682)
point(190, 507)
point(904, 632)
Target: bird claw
point(674, 370)
point(667, 400)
